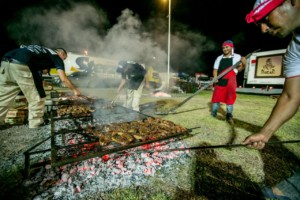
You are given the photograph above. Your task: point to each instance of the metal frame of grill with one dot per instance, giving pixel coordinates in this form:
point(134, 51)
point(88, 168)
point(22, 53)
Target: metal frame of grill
point(86, 146)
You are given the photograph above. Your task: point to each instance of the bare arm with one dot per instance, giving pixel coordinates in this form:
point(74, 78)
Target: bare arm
point(63, 77)
point(215, 73)
point(241, 67)
point(285, 108)
point(122, 83)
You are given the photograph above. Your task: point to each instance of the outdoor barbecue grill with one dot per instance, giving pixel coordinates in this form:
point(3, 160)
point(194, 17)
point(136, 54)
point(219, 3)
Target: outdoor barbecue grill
point(101, 129)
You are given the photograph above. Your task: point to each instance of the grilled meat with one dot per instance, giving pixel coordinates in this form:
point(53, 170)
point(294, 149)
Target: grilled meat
point(141, 130)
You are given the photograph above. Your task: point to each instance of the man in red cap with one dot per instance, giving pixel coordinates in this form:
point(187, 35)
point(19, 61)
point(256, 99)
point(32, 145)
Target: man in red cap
point(225, 89)
point(281, 18)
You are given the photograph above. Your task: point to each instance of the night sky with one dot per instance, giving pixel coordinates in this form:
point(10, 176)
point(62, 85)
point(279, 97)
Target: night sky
point(198, 28)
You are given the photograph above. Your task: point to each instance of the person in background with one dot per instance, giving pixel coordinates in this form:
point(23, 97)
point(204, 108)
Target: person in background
point(280, 18)
point(133, 74)
point(225, 88)
point(153, 78)
point(21, 70)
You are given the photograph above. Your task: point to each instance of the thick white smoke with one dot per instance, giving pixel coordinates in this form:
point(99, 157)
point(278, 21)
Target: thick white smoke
point(82, 26)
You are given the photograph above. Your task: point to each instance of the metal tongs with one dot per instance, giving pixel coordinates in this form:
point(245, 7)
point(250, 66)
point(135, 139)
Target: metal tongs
point(112, 103)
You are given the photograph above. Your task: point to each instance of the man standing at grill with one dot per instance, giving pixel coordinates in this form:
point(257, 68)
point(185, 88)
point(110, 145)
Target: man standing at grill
point(225, 89)
point(21, 71)
point(280, 18)
point(133, 74)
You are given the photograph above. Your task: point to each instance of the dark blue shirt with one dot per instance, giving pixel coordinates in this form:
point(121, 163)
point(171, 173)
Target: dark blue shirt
point(36, 57)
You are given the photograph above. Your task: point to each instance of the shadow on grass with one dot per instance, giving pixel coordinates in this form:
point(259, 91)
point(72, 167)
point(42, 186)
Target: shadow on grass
point(228, 180)
point(215, 179)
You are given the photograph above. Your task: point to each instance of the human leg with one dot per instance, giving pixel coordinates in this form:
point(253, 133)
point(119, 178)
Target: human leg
point(36, 112)
point(129, 98)
point(229, 110)
point(36, 104)
point(214, 109)
point(9, 90)
point(6, 100)
point(290, 186)
point(287, 189)
point(137, 96)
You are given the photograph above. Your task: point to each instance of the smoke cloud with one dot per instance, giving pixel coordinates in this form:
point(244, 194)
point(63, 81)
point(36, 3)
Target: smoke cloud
point(80, 27)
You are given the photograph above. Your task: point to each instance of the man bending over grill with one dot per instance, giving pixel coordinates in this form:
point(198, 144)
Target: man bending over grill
point(133, 74)
point(20, 71)
point(280, 18)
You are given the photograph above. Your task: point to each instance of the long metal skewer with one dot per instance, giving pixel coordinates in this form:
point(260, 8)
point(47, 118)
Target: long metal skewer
point(213, 146)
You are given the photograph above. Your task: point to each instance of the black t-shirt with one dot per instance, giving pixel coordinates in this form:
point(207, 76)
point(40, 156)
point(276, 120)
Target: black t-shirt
point(37, 57)
point(133, 72)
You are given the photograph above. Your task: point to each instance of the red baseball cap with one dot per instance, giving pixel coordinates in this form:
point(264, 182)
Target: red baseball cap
point(261, 9)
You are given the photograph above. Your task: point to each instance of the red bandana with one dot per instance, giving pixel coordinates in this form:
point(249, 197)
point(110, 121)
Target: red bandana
point(263, 8)
point(227, 43)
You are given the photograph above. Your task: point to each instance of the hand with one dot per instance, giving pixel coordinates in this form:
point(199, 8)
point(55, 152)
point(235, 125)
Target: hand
point(76, 92)
point(243, 60)
point(256, 141)
point(243, 64)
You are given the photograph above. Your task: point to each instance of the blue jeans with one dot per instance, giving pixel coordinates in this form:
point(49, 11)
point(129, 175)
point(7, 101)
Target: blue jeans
point(215, 108)
point(291, 185)
point(229, 109)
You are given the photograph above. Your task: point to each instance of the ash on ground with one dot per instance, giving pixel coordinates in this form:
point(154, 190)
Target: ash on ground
point(175, 174)
point(87, 178)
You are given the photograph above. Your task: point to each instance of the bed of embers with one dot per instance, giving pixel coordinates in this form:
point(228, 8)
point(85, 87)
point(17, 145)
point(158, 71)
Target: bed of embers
point(94, 146)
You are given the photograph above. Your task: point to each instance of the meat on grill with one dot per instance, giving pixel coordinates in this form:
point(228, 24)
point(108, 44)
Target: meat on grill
point(142, 130)
point(74, 110)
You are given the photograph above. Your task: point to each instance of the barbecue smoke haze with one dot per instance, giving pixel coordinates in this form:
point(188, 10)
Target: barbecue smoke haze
point(80, 27)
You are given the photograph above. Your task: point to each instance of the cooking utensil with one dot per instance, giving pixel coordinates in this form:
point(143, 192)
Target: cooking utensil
point(213, 146)
point(115, 99)
point(206, 86)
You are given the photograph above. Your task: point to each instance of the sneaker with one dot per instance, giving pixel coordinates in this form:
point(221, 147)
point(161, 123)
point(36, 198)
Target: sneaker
point(214, 114)
point(229, 117)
